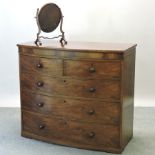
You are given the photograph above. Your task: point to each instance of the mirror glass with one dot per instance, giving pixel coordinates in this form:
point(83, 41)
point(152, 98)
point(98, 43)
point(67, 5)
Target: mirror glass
point(49, 17)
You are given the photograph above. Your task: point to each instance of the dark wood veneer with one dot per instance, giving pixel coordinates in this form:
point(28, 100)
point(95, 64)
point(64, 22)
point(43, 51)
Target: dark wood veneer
point(71, 132)
point(91, 69)
point(72, 87)
point(41, 65)
point(80, 110)
point(79, 95)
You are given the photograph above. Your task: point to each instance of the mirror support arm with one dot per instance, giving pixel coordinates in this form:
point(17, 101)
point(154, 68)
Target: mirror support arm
point(37, 41)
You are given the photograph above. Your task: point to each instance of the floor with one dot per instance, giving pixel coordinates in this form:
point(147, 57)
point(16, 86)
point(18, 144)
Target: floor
point(11, 143)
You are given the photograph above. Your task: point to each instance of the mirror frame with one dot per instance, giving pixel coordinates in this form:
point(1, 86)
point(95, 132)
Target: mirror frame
point(59, 22)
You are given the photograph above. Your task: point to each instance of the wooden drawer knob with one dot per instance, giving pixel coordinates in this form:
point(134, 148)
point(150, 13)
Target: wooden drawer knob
point(41, 126)
point(41, 104)
point(92, 70)
point(91, 135)
point(92, 90)
point(40, 83)
point(39, 65)
point(91, 112)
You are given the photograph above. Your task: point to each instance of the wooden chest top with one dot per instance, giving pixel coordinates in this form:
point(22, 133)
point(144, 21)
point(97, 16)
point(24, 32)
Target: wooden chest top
point(82, 46)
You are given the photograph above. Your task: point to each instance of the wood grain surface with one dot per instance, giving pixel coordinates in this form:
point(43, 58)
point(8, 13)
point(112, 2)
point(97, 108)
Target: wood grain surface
point(71, 132)
point(82, 46)
point(101, 69)
point(106, 89)
point(41, 65)
point(79, 95)
point(72, 109)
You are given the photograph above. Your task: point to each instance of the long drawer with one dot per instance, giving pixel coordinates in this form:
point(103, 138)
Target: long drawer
point(72, 133)
point(106, 89)
point(71, 109)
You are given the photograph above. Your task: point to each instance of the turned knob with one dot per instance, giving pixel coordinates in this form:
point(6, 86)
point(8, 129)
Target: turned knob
point(91, 135)
point(41, 104)
point(92, 89)
point(40, 83)
point(91, 112)
point(92, 70)
point(41, 126)
point(39, 65)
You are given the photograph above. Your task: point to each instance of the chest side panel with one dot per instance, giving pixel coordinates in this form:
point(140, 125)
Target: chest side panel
point(128, 75)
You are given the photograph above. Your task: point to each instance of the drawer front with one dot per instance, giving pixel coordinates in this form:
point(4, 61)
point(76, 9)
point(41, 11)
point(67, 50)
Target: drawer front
point(53, 67)
point(81, 110)
point(78, 54)
point(72, 87)
point(95, 69)
point(71, 132)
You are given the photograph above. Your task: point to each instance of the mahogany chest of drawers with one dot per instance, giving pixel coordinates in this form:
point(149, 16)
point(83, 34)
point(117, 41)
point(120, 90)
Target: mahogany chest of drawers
point(79, 95)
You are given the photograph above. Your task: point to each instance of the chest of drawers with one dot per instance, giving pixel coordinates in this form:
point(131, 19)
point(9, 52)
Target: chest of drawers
point(79, 95)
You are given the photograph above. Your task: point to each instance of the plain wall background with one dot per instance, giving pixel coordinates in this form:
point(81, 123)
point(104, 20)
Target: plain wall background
point(130, 21)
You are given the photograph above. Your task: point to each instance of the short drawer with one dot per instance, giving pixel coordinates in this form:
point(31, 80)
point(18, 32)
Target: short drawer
point(81, 110)
point(95, 69)
point(72, 133)
point(53, 67)
point(106, 89)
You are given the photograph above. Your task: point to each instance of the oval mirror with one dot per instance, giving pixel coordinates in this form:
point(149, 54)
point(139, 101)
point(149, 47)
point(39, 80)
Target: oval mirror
point(48, 19)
